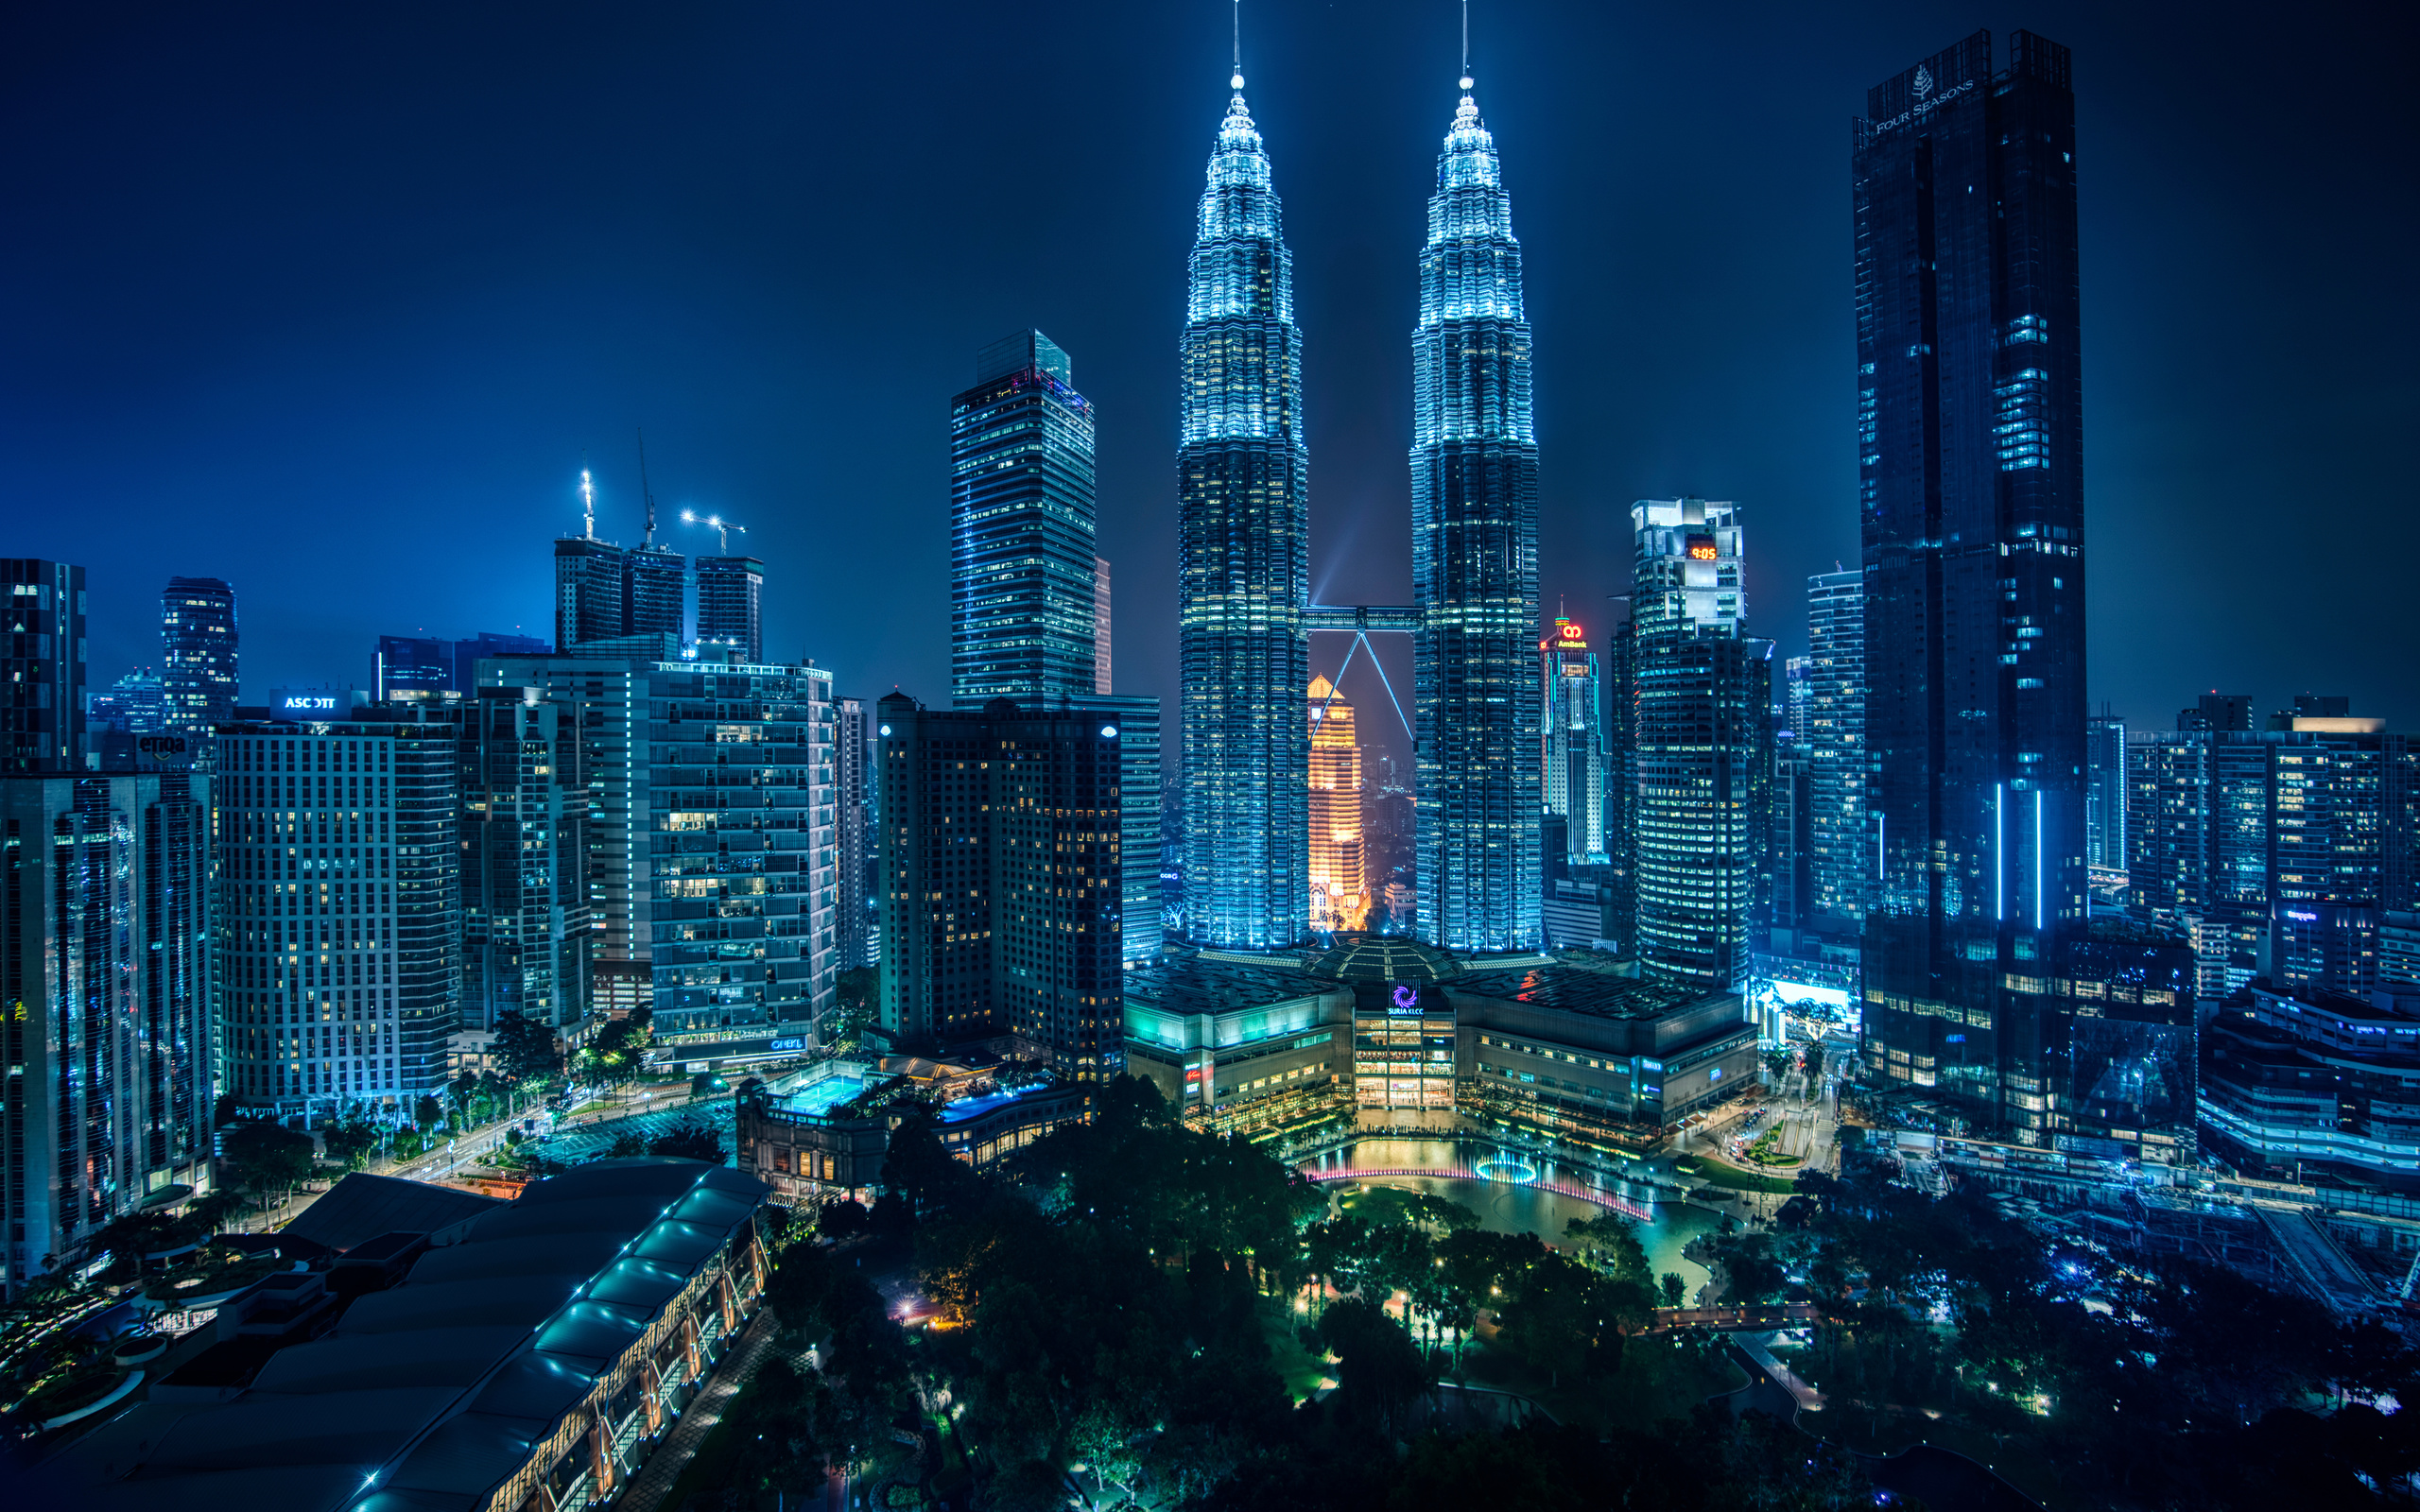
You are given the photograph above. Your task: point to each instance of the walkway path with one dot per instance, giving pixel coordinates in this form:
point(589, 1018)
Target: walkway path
point(1757, 1346)
point(655, 1478)
point(1779, 1315)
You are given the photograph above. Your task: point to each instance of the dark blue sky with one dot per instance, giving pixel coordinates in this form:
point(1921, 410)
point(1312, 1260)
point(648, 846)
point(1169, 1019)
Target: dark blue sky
point(331, 302)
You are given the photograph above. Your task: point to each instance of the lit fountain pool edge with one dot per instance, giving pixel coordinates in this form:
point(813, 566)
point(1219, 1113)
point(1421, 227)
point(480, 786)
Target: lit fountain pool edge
point(1630, 1207)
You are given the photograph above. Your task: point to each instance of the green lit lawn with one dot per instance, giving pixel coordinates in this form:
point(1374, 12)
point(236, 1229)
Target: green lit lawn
point(1300, 1370)
point(1731, 1177)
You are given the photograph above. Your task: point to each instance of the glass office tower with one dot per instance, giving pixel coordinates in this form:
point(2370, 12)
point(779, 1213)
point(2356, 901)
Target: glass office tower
point(1701, 745)
point(2104, 804)
point(42, 666)
point(1243, 562)
point(713, 830)
point(1021, 528)
point(1572, 749)
point(1840, 860)
point(524, 792)
point(106, 920)
point(198, 652)
point(1474, 561)
point(1101, 625)
point(1971, 497)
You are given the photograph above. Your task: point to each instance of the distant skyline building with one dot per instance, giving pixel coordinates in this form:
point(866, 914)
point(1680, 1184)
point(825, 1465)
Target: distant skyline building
point(2279, 852)
point(655, 592)
point(730, 605)
point(588, 592)
point(1340, 880)
point(1797, 693)
point(407, 667)
point(1243, 561)
point(198, 652)
point(41, 660)
point(136, 704)
point(2217, 711)
point(853, 913)
point(1137, 718)
point(1572, 749)
point(2104, 798)
point(604, 591)
point(1023, 573)
point(1703, 745)
point(1475, 562)
point(1839, 853)
point(106, 945)
point(1101, 626)
point(527, 933)
point(1971, 495)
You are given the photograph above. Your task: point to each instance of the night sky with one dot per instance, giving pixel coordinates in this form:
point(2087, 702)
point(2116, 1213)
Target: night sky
point(333, 303)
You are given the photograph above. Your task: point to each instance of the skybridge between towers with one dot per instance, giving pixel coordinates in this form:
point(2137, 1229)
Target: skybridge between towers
point(1359, 620)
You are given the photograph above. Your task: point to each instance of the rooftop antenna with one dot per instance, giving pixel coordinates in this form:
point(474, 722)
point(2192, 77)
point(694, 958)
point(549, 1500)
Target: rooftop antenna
point(587, 503)
point(1236, 81)
point(1466, 42)
point(645, 492)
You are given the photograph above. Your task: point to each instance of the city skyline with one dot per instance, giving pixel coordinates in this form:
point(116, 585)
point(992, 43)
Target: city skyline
point(456, 473)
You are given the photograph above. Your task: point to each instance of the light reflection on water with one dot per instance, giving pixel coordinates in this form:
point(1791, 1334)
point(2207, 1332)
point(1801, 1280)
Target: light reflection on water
point(1511, 1209)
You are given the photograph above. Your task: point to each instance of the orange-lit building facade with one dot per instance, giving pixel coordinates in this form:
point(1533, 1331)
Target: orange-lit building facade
point(1340, 880)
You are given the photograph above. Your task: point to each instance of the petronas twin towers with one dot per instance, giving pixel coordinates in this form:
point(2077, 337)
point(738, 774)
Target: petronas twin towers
point(1244, 610)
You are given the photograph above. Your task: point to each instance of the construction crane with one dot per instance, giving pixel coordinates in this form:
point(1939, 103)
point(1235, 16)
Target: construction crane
point(720, 526)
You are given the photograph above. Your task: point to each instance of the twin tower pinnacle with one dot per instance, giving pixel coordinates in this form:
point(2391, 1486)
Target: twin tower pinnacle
point(1245, 616)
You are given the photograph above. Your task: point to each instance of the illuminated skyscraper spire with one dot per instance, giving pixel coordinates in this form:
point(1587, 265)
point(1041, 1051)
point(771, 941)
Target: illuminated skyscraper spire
point(1474, 560)
point(1243, 558)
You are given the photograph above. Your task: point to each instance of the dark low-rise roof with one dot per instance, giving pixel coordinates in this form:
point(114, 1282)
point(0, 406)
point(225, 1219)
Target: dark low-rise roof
point(1383, 958)
point(1189, 985)
point(362, 1207)
point(430, 1394)
point(1583, 990)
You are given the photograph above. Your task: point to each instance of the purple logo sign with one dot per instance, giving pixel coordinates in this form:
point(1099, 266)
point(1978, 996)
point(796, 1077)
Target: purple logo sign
point(1406, 998)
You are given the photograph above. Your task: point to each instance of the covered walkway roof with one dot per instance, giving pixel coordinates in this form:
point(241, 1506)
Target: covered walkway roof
point(430, 1394)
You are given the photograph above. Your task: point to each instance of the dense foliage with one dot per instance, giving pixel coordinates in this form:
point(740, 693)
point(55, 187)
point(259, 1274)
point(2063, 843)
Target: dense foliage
point(2129, 1382)
point(1115, 1320)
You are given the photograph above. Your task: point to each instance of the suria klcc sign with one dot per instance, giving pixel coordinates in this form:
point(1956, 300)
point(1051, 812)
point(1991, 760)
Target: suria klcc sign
point(1927, 101)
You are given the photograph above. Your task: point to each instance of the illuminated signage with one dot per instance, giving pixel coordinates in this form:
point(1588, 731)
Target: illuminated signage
point(1569, 630)
point(789, 1045)
point(1702, 548)
point(1927, 101)
point(300, 702)
point(1404, 1001)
